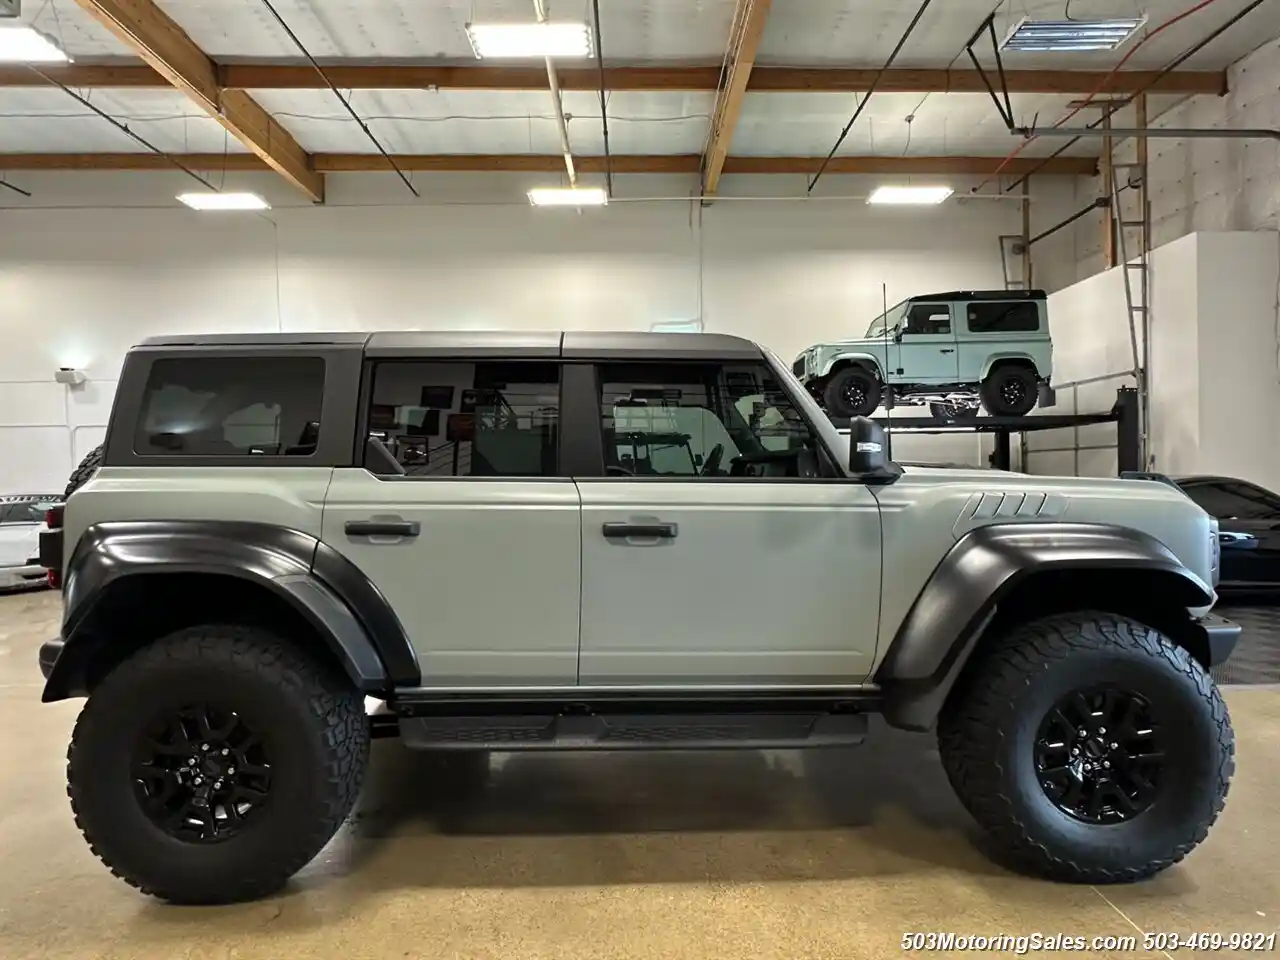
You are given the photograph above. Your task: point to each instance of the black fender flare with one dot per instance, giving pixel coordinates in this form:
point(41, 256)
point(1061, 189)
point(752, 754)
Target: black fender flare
point(984, 567)
point(352, 616)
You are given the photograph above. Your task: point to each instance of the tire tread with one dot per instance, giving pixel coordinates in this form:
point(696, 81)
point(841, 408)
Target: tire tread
point(970, 733)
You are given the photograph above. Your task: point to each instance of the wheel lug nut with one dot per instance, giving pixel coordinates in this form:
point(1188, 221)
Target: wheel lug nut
point(1106, 764)
point(225, 751)
point(198, 781)
point(1083, 732)
point(230, 771)
point(1102, 731)
point(1115, 746)
point(204, 746)
point(1075, 751)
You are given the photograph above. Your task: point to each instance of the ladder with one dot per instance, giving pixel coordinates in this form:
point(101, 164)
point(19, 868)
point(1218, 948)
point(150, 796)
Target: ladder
point(1133, 231)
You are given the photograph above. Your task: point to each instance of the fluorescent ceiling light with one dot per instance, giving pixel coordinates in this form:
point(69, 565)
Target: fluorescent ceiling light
point(909, 195)
point(1063, 36)
point(498, 40)
point(26, 45)
point(224, 201)
point(568, 197)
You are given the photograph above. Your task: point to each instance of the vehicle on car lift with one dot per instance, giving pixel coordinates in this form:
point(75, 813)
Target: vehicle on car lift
point(954, 351)
point(249, 562)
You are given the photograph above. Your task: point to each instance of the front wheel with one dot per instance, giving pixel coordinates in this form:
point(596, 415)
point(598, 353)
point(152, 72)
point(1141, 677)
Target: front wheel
point(852, 392)
point(1090, 747)
point(215, 763)
point(953, 411)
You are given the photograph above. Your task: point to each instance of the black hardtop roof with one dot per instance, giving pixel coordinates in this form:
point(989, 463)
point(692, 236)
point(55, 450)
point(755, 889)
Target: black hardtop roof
point(571, 345)
point(981, 295)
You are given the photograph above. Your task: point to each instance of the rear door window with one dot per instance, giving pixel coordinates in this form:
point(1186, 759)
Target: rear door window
point(232, 407)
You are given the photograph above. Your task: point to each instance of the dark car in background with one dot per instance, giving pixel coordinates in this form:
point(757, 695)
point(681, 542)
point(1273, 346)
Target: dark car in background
point(1248, 531)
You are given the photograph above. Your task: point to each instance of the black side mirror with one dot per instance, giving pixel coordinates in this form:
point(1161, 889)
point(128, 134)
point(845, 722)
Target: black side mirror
point(897, 334)
point(868, 452)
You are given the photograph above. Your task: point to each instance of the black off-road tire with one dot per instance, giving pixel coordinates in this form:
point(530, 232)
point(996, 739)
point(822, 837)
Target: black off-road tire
point(987, 733)
point(313, 722)
point(1010, 390)
point(83, 473)
point(856, 379)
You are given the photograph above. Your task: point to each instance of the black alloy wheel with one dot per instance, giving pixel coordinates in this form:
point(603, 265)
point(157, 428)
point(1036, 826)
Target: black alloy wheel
point(1013, 392)
point(201, 773)
point(1099, 755)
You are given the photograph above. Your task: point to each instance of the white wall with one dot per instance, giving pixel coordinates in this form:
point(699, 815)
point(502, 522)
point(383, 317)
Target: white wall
point(1207, 185)
point(1214, 376)
point(95, 262)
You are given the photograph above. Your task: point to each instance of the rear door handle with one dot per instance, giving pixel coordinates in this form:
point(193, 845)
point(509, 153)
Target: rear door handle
point(663, 531)
point(382, 528)
point(948, 350)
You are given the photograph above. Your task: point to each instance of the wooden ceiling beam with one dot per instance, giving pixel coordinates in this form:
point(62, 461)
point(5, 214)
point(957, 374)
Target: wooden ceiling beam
point(251, 76)
point(552, 163)
point(749, 20)
point(171, 53)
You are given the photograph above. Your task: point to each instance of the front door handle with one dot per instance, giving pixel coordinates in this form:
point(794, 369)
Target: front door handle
point(948, 350)
point(382, 528)
point(663, 531)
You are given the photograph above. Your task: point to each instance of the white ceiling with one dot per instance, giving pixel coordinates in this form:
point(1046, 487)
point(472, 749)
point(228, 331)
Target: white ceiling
point(854, 33)
point(850, 33)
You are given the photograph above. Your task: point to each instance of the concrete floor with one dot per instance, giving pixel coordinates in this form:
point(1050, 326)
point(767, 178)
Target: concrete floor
point(822, 854)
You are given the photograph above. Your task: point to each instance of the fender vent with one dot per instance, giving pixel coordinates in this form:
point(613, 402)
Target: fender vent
point(984, 508)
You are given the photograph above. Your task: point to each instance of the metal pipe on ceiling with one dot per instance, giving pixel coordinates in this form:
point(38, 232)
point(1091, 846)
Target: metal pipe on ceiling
point(553, 79)
point(1150, 133)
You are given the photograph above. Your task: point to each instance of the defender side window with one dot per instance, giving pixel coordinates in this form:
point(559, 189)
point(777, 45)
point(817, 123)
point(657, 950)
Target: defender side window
point(466, 419)
point(925, 318)
point(231, 407)
point(701, 420)
point(1004, 316)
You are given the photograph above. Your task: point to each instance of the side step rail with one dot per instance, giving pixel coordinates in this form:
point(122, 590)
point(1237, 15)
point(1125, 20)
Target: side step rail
point(641, 731)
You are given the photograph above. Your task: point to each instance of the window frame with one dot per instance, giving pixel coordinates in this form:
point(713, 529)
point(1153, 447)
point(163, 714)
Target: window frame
point(365, 406)
point(587, 459)
point(337, 406)
point(934, 306)
point(1009, 304)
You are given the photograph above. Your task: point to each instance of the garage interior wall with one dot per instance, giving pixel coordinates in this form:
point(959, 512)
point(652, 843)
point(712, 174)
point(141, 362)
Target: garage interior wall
point(1214, 361)
point(99, 261)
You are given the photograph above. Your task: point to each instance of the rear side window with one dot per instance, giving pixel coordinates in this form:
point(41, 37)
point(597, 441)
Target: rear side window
point(232, 407)
point(468, 419)
point(1004, 316)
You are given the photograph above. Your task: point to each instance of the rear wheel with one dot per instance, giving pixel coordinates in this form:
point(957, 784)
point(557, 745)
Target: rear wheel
point(952, 411)
point(1090, 747)
point(1010, 390)
point(852, 392)
point(214, 764)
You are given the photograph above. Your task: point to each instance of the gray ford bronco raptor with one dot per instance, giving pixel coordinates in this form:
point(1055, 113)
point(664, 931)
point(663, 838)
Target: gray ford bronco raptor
point(597, 541)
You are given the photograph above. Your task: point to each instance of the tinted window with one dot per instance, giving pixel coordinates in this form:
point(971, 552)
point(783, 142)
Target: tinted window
point(232, 407)
point(468, 419)
point(1004, 316)
point(692, 419)
point(1234, 501)
point(929, 318)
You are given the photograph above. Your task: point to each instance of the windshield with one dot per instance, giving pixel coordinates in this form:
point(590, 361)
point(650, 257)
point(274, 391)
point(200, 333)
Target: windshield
point(887, 322)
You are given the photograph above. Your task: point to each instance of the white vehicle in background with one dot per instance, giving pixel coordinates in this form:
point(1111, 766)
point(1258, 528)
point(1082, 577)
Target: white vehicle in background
point(21, 520)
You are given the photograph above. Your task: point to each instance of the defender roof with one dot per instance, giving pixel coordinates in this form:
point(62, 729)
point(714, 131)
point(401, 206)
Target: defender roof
point(568, 345)
point(981, 295)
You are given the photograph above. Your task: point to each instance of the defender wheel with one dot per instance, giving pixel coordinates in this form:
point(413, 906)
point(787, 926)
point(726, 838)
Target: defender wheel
point(1091, 748)
point(84, 472)
point(214, 764)
point(1009, 391)
point(852, 392)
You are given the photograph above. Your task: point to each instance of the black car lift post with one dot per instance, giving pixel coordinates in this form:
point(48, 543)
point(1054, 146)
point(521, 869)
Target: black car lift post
point(1124, 414)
